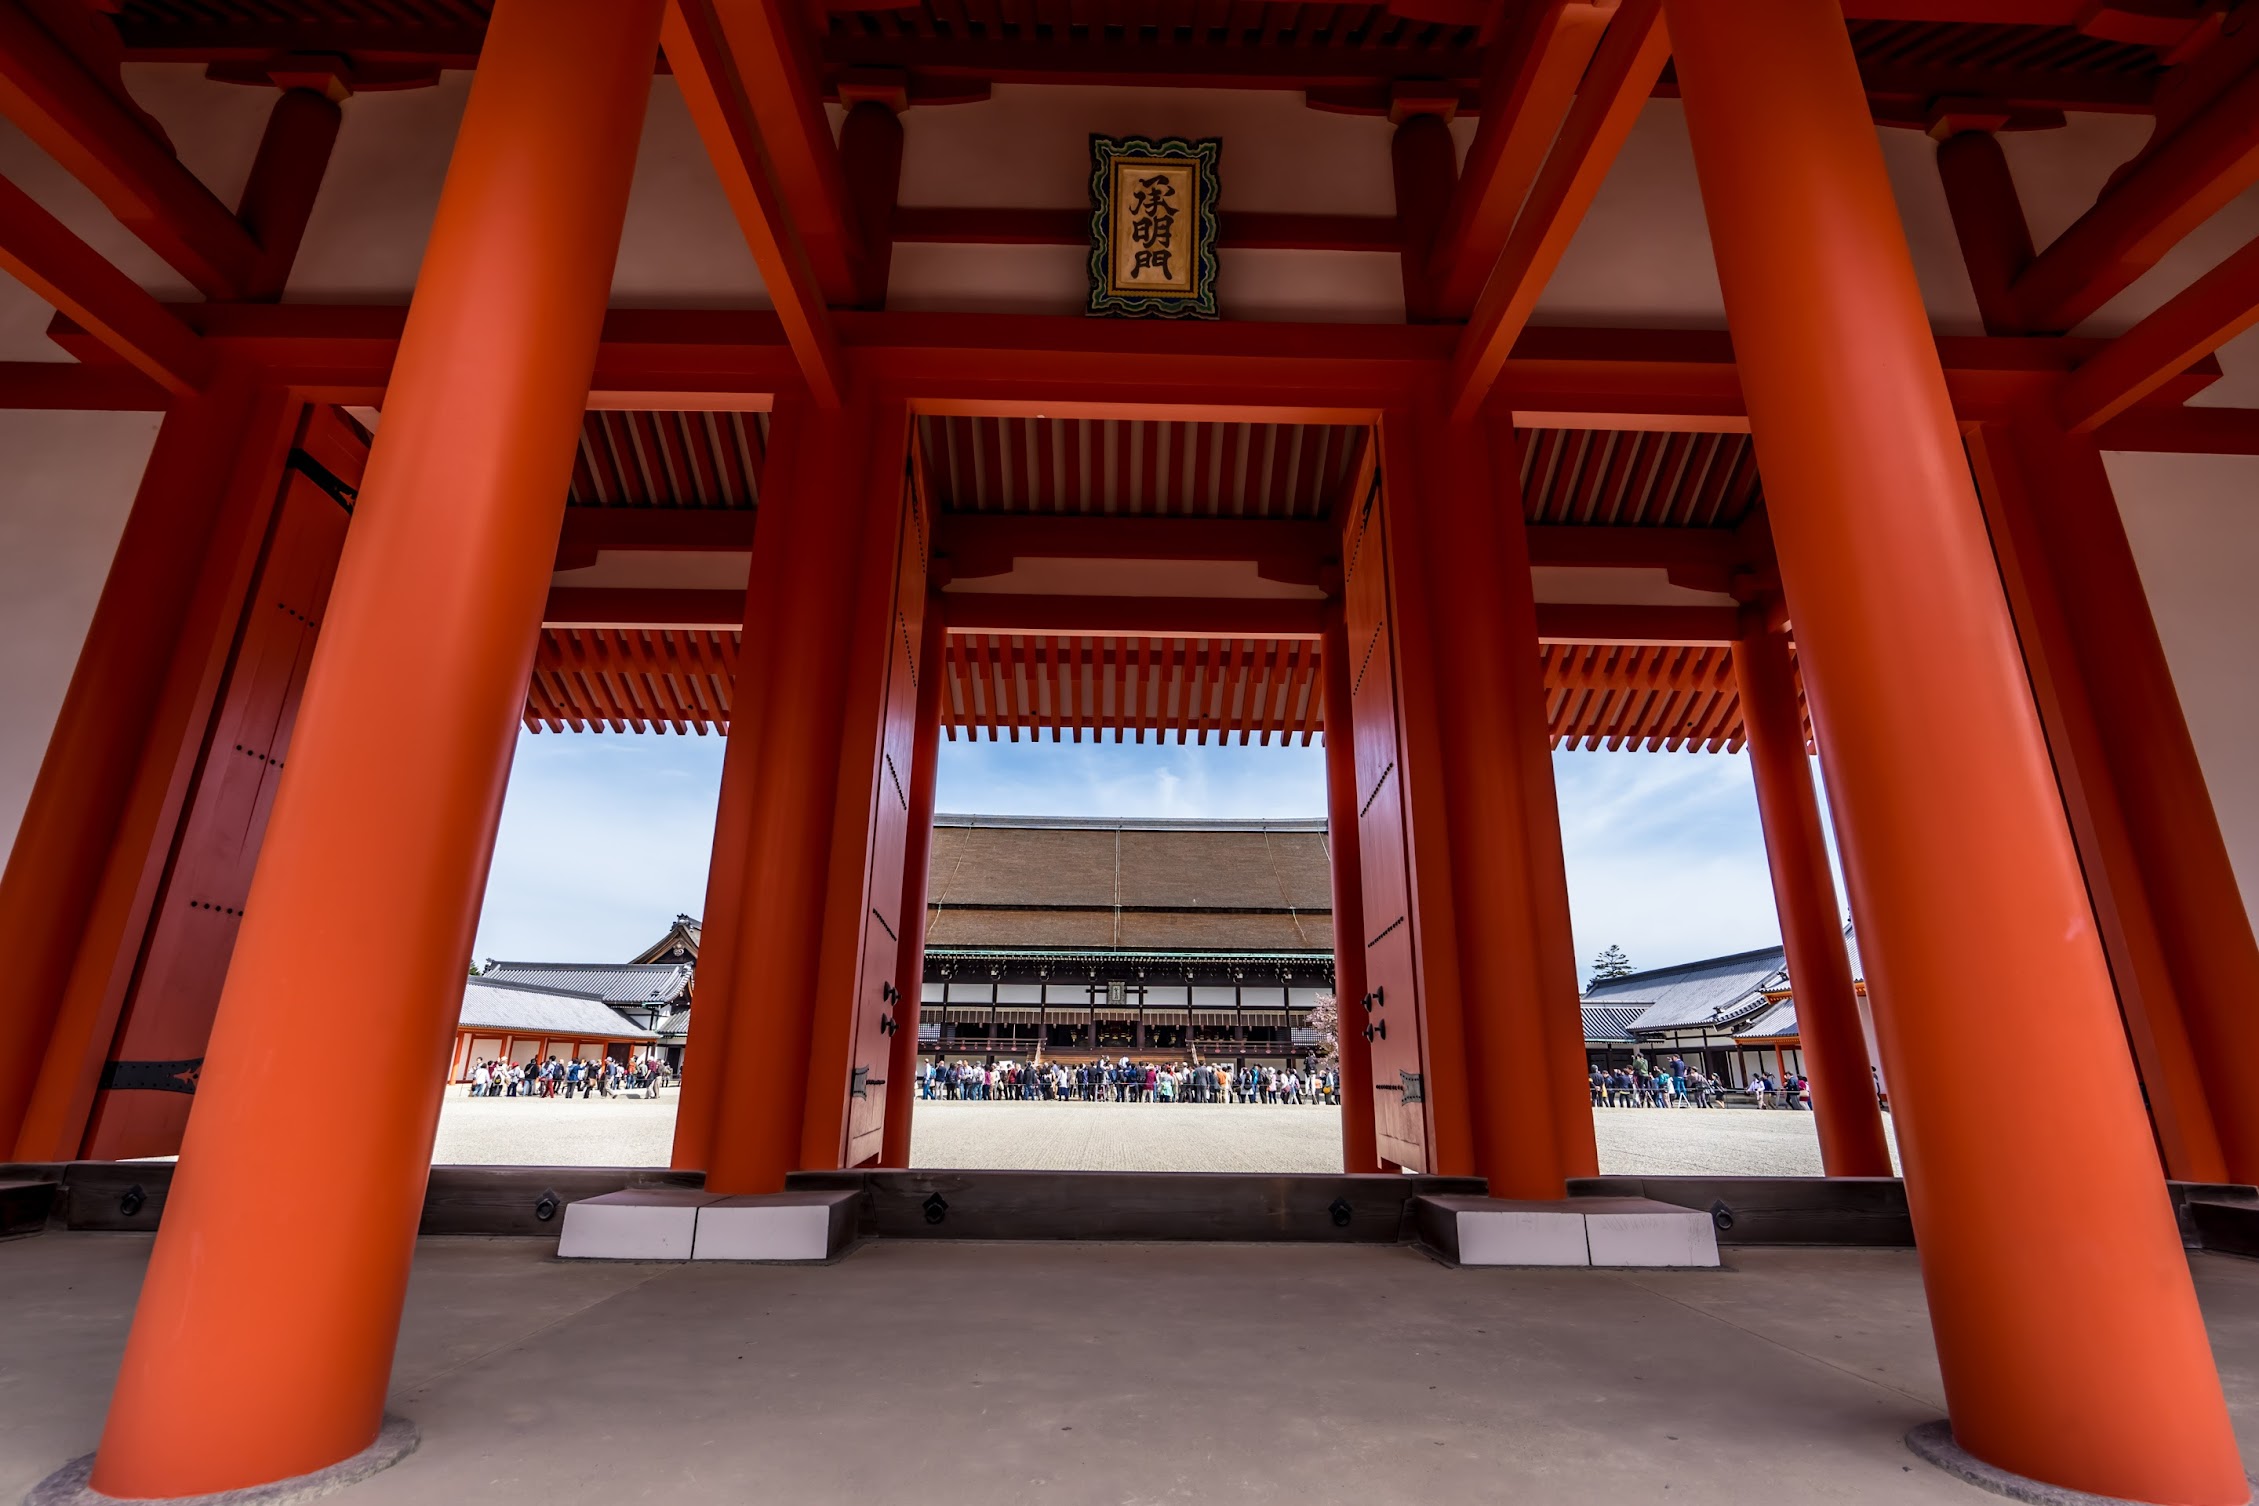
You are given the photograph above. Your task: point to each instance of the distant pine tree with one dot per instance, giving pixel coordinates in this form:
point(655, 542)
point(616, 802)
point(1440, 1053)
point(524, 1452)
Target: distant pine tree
point(1612, 963)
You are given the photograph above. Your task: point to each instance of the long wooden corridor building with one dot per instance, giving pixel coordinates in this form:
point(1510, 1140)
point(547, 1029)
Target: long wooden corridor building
point(1448, 379)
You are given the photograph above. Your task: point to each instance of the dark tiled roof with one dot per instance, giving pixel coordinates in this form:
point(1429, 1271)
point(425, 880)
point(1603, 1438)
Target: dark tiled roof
point(622, 983)
point(1132, 885)
point(492, 1005)
point(1610, 1022)
point(1692, 995)
point(685, 933)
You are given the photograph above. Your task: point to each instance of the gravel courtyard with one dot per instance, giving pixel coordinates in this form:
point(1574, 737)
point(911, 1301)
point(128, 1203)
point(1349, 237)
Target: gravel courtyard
point(1114, 1136)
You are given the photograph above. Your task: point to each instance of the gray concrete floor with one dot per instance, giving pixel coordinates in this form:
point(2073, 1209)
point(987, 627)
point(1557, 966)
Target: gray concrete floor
point(1114, 1137)
point(1105, 1375)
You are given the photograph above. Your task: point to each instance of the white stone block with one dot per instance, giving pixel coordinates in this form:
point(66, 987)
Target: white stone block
point(641, 1223)
point(1521, 1236)
point(1638, 1232)
point(782, 1226)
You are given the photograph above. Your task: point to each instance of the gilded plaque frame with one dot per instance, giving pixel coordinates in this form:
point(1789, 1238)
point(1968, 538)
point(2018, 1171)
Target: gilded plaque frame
point(1123, 229)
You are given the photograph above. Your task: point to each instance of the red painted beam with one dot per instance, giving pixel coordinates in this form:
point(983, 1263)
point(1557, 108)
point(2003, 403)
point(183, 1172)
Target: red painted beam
point(39, 251)
point(1206, 65)
point(624, 607)
point(1532, 79)
point(2189, 326)
point(775, 58)
point(1615, 89)
point(2183, 431)
point(1236, 230)
point(50, 94)
point(970, 612)
point(1635, 626)
point(76, 387)
point(983, 544)
point(589, 530)
point(2179, 185)
point(1578, 547)
point(725, 53)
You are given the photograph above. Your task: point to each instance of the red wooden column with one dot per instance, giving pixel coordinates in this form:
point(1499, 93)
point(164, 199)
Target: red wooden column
point(850, 1044)
point(381, 835)
point(2179, 938)
point(1819, 964)
point(1525, 1032)
point(917, 861)
point(1359, 1149)
point(2027, 1208)
point(714, 1011)
point(101, 808)
point(838, 514)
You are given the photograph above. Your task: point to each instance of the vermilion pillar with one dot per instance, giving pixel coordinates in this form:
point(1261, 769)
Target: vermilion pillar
point(817, 509)
point(2180, 940)
point(917, 861)
point(1525, 1034)
point(2067, 1329)
point(1359, 1152)
point(1819, 964)
point(714, 1009)
point(264, 1337)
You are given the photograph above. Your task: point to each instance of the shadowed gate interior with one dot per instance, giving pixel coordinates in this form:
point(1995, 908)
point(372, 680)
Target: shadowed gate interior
point(1032, 577)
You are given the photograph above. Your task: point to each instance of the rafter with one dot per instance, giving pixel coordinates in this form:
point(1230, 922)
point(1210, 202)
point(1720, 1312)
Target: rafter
point(1525, 94)
point(2195, 322)
point(41, 252)
point(53, 98)
point(1615, 89)
point(723, 66)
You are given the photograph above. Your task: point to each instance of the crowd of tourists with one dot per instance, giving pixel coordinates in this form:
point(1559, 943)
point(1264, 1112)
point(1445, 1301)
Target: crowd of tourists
point(1674, 1085)
point(637, 1077)
point(1125, 1081)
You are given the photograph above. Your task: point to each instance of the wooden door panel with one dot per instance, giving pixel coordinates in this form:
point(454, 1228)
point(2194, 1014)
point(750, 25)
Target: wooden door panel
point(142, 1108)
point(1390, 1012)
point(877, 1010)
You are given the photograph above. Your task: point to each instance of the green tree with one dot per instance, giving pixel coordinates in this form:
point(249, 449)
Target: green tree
point(1612, 963)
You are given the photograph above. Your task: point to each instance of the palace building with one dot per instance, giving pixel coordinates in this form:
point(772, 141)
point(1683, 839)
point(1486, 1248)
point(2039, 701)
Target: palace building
point(1153, 939)
point(1451, 381)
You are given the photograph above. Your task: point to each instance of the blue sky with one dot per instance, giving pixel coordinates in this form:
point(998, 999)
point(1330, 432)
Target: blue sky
point(604, 838)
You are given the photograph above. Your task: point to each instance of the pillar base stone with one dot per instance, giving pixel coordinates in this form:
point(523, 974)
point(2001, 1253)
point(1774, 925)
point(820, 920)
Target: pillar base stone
point(1933, 1441)
point(395, 1441)
point(680, 1223)
point(788, 1226)
point(641, 1223)
point(1584, 1231)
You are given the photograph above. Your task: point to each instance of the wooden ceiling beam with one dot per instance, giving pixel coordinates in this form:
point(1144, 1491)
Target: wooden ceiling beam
point(750, 102)
point(980, 612)
point(49, 92)
point(1615, 90)
point(1532, 78)
point(39, 251)
point(2181, 183)
point(1236, 229)
point(2186, 328)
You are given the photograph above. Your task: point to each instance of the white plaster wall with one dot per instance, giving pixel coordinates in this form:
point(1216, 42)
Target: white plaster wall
point(680, 246)
point(66, 482)
point(2194, 524)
